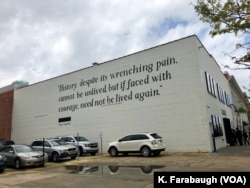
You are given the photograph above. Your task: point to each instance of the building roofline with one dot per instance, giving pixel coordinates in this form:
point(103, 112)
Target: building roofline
point(96, 63)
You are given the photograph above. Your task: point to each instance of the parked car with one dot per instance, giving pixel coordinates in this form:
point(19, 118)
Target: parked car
point(20, 155)
point(144, 143)
point(2, 163)
point(85, 146)
point(55, 150)
point(62, 142)
point(6, 142)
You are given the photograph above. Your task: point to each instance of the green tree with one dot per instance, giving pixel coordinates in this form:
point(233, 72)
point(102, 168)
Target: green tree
point(228, 16)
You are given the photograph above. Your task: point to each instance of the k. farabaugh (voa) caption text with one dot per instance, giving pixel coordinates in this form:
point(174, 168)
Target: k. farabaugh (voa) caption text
point(201, 179)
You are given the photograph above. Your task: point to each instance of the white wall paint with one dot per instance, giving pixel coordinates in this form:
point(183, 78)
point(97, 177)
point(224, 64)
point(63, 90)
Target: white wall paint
point(177, 110)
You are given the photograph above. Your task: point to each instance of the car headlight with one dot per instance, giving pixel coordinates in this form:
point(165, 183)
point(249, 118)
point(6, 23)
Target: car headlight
point(154, 142)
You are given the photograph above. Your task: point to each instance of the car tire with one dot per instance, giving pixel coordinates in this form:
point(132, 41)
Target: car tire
point(73, 157)
point(17, 164)
point(55, 157)
point(113, 152)
point(145, 151)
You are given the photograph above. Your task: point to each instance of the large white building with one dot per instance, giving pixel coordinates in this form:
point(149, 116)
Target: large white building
point(175, 89)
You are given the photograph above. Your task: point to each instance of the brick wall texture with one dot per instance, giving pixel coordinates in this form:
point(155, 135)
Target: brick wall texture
point(6, 106)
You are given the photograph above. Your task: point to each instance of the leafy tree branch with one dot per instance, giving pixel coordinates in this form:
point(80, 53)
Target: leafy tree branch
point(228, 16)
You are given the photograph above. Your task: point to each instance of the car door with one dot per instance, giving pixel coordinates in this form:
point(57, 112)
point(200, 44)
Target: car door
point(38, 145)
point(9, 153)
point(48, 148)
point(137, 141)
point(124, 143)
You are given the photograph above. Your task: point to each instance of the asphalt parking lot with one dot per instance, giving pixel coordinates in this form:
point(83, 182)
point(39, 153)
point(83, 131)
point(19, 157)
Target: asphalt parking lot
point(124, 171)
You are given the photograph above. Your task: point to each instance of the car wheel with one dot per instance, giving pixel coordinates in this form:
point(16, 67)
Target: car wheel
point(145, 151)
point(17, 163)
point(73, 157)
point(55, 157)
point(113, 152)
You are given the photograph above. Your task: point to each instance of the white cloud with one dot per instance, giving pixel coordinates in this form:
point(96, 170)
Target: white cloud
point(44, 39)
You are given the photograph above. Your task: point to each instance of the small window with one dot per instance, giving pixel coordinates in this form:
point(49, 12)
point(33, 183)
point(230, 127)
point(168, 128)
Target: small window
point(36, 143)
point(144, 137)
point(139, 137)
point(47, 144)
point(9, 149)
point(155, 136)
point(126, 138)
point(217, 127)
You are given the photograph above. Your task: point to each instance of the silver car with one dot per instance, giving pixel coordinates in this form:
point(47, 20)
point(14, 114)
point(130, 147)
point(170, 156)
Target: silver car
point(20, 155)
point(54, 149)
point(83, 144)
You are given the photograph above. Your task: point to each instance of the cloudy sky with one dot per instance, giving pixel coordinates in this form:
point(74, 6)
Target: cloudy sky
point(44, 39)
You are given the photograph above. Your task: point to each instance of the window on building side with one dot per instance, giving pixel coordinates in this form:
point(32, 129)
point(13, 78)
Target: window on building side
point(217, 126)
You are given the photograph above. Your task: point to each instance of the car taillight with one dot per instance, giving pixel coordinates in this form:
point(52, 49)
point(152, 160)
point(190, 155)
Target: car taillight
point(154, 142)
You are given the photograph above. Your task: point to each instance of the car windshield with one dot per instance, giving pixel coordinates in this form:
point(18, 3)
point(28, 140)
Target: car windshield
point(23, 149)
point(61, 142)
point(81, 138)
point(55, 143)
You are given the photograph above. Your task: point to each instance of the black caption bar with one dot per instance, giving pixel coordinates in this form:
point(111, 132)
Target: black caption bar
point(201, 179)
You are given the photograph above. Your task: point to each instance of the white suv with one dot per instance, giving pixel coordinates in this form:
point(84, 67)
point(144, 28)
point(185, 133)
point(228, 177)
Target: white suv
point(144, 143)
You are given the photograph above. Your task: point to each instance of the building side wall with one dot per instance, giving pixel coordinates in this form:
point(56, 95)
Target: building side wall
point(6, 104)
point(214, 106)
point(157, 90)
